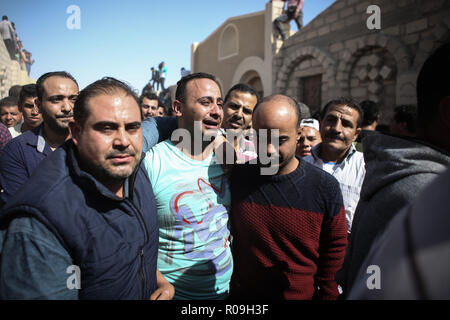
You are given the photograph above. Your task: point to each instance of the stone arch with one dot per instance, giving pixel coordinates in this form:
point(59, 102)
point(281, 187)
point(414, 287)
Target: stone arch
point(254, 64)
point(349, 56)
point(229, 42)
point(440, 34)
point(297, 57)
point(253, 79)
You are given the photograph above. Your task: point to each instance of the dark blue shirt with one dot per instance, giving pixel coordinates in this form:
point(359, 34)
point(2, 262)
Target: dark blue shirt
point(19, 159)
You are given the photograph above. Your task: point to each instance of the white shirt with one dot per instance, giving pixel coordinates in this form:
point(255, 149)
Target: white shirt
point(350, 174)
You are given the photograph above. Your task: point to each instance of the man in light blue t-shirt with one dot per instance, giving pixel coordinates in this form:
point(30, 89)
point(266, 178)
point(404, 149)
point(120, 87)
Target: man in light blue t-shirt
point(193, 195)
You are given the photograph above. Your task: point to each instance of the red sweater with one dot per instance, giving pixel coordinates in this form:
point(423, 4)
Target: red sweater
point(289, 234)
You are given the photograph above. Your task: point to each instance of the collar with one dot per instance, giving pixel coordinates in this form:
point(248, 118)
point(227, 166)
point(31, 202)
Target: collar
point(40, 140)
point(315, 151)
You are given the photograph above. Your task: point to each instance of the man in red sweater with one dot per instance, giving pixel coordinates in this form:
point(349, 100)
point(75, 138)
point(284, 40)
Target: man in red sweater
point(289, 229)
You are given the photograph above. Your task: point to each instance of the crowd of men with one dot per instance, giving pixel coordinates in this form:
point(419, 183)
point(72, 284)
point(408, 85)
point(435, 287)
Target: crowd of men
point(233, 196)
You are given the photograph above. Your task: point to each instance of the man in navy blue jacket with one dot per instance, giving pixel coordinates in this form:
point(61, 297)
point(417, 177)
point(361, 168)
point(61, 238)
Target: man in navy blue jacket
point(84, 226)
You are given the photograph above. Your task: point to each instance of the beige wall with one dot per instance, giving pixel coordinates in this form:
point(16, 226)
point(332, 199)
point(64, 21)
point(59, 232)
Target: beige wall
point(250, 34)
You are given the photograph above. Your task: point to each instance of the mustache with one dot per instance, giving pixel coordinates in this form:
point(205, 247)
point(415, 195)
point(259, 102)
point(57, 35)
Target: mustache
point(64, 115)
point(118, 153)
point(332, 135)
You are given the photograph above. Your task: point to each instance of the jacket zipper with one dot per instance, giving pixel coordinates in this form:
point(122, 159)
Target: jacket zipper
point(141, 254)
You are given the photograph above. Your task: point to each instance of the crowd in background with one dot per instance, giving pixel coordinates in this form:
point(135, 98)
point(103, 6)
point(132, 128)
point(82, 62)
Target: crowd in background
point(342, 194)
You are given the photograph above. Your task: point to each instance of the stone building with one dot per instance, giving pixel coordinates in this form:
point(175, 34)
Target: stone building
point(241, 50)
point(336, 54)
point(10, 72)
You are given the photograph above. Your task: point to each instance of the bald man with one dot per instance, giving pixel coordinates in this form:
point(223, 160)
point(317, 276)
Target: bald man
point(289, 229)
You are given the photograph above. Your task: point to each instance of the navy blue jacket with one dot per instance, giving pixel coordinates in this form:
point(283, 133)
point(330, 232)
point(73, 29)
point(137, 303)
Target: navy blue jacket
point(114, 241)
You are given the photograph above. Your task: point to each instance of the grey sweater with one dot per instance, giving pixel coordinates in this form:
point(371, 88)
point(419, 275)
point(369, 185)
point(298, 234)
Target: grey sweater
point(396, 170)
point(413, 254)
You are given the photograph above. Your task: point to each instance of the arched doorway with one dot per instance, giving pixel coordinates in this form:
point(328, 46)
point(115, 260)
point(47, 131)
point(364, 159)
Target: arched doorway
point(253, 79)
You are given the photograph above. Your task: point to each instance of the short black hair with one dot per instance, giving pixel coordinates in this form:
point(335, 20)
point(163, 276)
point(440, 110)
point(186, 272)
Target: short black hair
point(371, 112)
point(432, 83)
point(149, 95)
point(343, 101)
point(5, 18)
point(408, 115)
point(41, 80)
point(106, 85)
point(8, 102)
point(304, 110)
point(14, 91)
point(28, 91)
point(180, 94)
point(242, 87)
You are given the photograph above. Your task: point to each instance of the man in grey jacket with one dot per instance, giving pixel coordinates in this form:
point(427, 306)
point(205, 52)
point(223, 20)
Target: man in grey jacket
point(397, 168)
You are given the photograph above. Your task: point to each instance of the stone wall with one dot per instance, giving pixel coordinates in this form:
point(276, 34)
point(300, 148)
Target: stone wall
point(10, 72)
point(381, 65)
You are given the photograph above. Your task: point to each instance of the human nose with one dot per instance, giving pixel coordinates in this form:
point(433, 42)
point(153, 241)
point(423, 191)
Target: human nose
point(121, 140)
point(271, 149)
point(216, 109)
point(35, 110)
point(67, 105)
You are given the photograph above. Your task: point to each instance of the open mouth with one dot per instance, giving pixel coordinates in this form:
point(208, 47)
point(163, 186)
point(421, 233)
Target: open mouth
point(235, 125)
point(211, 124)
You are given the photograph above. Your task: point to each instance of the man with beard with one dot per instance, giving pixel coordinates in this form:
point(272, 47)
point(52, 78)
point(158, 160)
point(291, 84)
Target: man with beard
point(56, 95)
point(340, 125)
point(288, 228)
point(192, 195)
point(89, 211)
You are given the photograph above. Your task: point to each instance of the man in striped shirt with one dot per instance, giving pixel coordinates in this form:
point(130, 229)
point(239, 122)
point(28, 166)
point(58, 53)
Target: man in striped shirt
point(340, 126)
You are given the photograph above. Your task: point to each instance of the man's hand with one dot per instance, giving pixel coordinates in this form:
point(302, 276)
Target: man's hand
point(165, 290)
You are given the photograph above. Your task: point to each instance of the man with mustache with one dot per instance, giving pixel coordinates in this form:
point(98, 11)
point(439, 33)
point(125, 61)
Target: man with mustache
point(238, 107)
point(90, 207)
point(339, 127)
point(10, 115)
point(56, 95)
point(192, 195)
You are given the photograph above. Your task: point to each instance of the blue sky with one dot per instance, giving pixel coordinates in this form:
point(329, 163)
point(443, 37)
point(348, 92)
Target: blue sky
point(123, 39)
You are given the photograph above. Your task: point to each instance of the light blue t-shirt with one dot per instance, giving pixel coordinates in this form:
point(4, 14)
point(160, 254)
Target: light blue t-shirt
point(193, 200)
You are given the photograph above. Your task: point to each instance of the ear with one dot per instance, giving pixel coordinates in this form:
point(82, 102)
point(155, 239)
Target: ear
point(358, 131)
point(178, 108)
point(299, 132)
point(75, 131)
point(444, 111)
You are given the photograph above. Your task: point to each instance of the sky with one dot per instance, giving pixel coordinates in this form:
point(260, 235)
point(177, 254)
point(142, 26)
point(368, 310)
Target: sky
point(123, 38)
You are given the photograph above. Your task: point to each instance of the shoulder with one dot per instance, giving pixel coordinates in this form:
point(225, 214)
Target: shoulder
point(319, 177)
